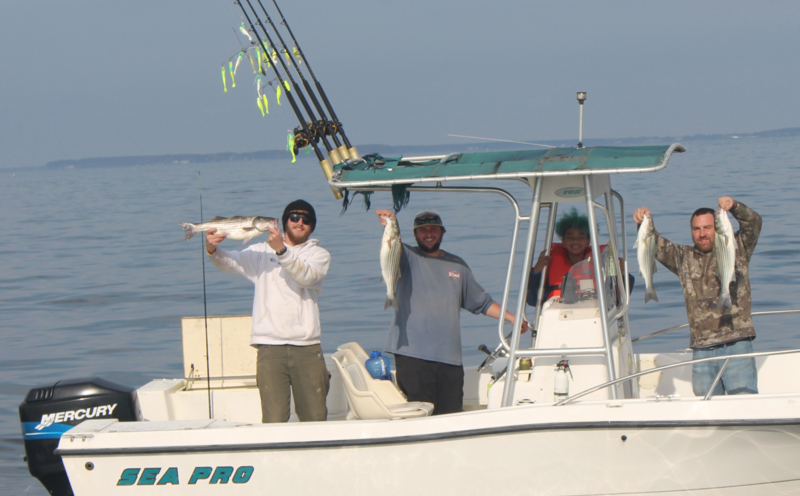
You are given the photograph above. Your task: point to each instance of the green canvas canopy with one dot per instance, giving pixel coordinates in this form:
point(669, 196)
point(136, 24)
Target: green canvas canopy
point(380, 171)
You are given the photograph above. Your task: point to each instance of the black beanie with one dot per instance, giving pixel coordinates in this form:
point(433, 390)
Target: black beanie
point(300, 207)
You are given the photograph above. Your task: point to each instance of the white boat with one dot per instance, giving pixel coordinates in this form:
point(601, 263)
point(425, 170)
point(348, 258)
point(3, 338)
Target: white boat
point(629, 423)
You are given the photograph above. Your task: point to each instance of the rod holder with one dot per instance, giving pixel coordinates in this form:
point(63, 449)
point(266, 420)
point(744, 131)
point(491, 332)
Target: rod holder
point(354, 153)
point(328, 171)
point(343, 153)
point(336, 159)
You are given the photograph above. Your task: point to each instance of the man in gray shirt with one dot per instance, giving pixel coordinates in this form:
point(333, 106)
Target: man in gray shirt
point(425, 336)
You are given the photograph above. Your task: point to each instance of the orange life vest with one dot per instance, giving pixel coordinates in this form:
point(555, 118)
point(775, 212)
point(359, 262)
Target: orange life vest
point(560, 265)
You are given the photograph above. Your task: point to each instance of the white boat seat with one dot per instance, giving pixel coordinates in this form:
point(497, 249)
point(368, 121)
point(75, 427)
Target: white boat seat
point(366, 404)
point(361, 354)
point(354, 371)
point(388, 391)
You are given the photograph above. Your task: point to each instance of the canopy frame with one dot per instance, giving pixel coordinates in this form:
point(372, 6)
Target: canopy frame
point(585, 180)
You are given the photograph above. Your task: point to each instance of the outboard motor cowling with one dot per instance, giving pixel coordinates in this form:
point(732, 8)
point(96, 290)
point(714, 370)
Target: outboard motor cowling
point(49, 411)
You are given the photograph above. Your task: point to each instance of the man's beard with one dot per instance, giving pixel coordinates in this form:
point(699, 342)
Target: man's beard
point(294, 239)
point(705, 250)
point(432, 249)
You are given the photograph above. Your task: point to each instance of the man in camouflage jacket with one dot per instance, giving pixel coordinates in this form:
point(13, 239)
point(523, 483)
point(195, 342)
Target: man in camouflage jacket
point(715, 331)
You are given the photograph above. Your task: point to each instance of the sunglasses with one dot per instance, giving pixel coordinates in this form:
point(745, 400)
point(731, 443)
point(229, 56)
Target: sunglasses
point(428, 219)
point(298, 217)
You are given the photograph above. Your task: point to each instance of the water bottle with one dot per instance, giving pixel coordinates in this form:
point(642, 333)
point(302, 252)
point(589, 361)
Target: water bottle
point(378, 366)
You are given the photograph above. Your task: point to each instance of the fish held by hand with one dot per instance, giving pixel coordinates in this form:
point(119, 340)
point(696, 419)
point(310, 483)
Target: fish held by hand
point(238, 227)
point(646, 255)
point(391, 249)
point(725, 252)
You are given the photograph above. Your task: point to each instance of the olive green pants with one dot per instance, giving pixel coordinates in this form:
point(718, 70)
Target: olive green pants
point(283, 371)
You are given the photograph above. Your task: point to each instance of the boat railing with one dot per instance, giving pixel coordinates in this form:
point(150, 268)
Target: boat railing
point(684, 363)
point(518, 219)
point(564, 352)
point(683, 326)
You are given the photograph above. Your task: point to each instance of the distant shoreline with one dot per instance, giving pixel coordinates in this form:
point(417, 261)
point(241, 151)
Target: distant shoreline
point(180, 159)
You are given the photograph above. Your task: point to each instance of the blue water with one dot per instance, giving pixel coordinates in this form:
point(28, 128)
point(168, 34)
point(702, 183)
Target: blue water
point(95, 273)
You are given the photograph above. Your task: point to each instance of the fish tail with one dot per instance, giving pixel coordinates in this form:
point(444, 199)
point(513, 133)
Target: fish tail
point(724, 301)
point(650, 294)
point(189, 230)
point(390, 302)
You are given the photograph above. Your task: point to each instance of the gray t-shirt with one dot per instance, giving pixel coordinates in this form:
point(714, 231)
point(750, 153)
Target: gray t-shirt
point(431, 292)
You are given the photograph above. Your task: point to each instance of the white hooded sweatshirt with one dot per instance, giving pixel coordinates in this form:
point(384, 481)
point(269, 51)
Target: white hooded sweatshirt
point(287, 287)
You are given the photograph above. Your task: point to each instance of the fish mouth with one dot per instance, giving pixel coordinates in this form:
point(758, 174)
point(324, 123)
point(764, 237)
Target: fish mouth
point(270, 226)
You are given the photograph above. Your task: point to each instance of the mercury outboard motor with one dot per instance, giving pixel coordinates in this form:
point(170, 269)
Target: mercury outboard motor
point(50, 411)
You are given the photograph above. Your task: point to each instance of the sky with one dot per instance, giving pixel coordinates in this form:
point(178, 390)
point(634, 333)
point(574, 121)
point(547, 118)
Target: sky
point(92, 78)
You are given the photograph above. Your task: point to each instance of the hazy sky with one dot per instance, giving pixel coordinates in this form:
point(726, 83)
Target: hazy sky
point(91, 78)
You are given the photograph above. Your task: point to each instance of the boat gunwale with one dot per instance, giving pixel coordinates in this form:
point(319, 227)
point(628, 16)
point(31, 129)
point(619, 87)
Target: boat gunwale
point(429, 437)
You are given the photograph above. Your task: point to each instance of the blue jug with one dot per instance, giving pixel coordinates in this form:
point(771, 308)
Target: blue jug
point(378, 366)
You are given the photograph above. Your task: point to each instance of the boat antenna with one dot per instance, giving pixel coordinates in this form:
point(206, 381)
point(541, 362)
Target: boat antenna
point(205, 306)
point(503, 140)
point(335, 120)
point(581, 99)
point(302, 137)
point(321, 127)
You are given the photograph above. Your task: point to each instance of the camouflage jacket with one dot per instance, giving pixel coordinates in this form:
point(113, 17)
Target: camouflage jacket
point(709, 325)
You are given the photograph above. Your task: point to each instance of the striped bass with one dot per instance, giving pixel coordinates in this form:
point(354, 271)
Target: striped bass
point(391, 248)
point(725, 251)
point(646, 255)
point(238, 227)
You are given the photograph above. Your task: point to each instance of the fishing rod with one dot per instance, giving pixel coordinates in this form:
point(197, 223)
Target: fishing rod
point(315, 130)
point(306, 138)
point(335, 120)
point(323, 127)
point(205, 306)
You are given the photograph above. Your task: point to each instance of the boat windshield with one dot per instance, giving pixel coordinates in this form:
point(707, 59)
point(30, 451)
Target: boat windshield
point(580, 283)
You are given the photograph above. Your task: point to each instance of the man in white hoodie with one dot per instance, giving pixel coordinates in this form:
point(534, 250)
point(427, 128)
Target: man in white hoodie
point(287, 272)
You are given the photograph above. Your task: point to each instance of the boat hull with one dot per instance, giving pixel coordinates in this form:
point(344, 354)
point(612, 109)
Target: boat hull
point(535, 450)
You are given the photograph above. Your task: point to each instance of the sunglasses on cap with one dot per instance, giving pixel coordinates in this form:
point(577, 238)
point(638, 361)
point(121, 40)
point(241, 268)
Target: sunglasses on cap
point(426, 220)
point(295, 217)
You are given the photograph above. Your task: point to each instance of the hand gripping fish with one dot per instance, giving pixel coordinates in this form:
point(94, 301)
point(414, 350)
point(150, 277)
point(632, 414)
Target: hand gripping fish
point(391, 248)
point(646, 255)
point(245, 228)
point(725, 252)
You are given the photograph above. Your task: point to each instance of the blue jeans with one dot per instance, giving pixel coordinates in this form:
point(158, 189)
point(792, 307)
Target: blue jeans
point(740, 376)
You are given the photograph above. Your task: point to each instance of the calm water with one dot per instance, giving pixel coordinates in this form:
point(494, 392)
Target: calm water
point(95, 274)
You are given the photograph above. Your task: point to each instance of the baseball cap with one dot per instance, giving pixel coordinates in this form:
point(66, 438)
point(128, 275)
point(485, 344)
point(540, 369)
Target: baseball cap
point(428, 218)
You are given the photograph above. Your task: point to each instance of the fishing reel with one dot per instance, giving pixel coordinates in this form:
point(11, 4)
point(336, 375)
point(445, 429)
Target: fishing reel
point(319, 128)
point(302, 138)
point(331, 127)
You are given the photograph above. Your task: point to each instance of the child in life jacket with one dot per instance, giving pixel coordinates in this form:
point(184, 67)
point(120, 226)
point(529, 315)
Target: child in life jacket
point(575, 246)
